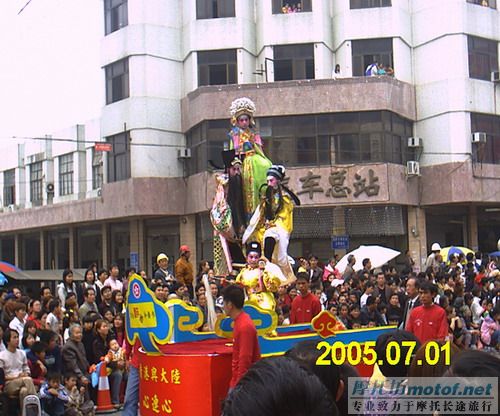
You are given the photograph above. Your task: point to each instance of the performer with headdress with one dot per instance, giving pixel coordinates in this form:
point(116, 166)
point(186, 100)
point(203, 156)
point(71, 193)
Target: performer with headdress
point(272, 222)
point(260, 279)
point(247, 145)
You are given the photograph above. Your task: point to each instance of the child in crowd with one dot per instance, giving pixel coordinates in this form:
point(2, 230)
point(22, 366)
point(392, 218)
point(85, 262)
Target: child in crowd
point(115, 353)
point(77, 405)
point(53, 395)
point(36, 362)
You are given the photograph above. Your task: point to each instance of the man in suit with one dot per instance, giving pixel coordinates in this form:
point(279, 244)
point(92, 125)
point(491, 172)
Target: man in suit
point(412, 301)
point(315, 272)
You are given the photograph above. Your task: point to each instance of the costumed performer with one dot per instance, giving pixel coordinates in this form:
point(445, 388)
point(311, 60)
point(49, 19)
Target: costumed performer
point(259, 279)
point(247, 145)
point(272, 222)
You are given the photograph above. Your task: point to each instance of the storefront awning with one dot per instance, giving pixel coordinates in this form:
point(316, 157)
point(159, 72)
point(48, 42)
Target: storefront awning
point(44, 275)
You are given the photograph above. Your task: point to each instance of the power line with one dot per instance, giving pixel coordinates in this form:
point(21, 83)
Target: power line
point(26, 5)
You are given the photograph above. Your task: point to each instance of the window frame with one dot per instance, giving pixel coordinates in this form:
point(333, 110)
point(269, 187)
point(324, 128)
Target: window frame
point(9, 187)
point(66, 170)
point(476, 54)
point(215, 9)
point(115, 15)
point(292, 63)
point(217, 60)
point(368, 4)
point(367, 55)
point(492, 4)
point(119, 171)
point(488, 152)
point(97, 169)
point(277, 6)
point(117, 75)
point(36, 182)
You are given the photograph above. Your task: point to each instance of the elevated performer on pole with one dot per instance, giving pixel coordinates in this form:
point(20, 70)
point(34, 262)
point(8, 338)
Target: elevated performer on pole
point(272, 222)
point(247, 145)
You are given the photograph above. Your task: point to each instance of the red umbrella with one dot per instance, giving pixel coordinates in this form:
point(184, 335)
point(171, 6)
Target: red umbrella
point(7, 267)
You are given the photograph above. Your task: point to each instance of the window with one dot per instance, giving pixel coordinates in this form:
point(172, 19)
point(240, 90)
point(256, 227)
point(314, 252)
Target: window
point(368, 4)
point(368, 51)
point(492, 4)
point(119, 157)
point(36, 174)
point(483, 57)
point(312, 140)
point(97, 172)
point(217, 67)
point(293, 62)
point(9, 187)
point(488, 152)
point(211, 9)
point(291, 6)
point(117, 81)
point(66, 174)
point(115, 15)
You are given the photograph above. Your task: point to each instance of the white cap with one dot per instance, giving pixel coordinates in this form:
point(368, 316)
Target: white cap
point(436, 247)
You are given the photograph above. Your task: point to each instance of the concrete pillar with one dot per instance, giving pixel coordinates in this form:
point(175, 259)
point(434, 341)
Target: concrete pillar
point(42, 250)
point(17, 251)
point(187, 228)
point(417, 236)
point(105, 246)
point(472, 233)
point(71, 249)
point(137, 241)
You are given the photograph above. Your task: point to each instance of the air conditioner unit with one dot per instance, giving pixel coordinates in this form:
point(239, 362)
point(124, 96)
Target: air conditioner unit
point(495, 76)
point(412, 168)
point(11, 208)
point(184, 153)
point(49, 188)
point(99, 192)
point(478, 137)
point(414, 142)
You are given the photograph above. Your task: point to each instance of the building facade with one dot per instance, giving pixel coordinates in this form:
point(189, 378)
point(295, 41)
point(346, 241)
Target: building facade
point(401, 160)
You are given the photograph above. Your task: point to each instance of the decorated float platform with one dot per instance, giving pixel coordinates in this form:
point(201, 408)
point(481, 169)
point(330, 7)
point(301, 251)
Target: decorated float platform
point(184, 372)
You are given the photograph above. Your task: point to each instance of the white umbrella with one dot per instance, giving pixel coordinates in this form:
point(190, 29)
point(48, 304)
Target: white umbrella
point(378, 256)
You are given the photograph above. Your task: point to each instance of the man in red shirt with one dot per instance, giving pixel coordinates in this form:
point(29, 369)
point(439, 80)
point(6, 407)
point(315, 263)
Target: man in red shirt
point(246, 348)
point(306, 306)
point(428, 321)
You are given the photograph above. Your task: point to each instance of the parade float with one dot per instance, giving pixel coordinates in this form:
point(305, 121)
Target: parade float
point(184, 371)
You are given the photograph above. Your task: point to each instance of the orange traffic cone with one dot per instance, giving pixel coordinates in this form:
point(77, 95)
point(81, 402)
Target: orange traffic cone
point(104, 404)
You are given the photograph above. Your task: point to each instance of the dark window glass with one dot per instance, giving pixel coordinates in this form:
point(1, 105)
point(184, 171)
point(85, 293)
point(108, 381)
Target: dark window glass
point(367, 51)
point(9, 187)
point(488, 152)
point(117, 83)
point(291, 6)
point(66, 174)
point(217, 67)
point(312, 140)
point(366, 4)
point(483, 57)
point(211, 9)
point(36, 177)
point(115, 15)
point(485, 3)
point(97, 170)
point(119, 157)
point(293, 62)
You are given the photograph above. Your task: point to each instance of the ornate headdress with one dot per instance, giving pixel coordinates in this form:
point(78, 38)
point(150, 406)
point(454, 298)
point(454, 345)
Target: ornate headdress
point(242, 106)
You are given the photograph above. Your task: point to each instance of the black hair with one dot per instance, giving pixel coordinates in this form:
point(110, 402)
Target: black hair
point(87, 290)
point(370, 300)
point(7, 335)
point(306, 354)
point(38, 347)
point(302, 276)
point(427, 286)
point(368, 285)
point(53, 304)
point(474, 363)
point(235, 295)
point(279, 386)
point(365, 262)
point(65, 274)
point(101, 271)
point(176, 285)
point(42, 289)
point(398, 336)
point(54, 376)
point(90, 317)
point(312, 256)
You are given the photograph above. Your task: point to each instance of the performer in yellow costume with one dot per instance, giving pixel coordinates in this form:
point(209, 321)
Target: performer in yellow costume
point(259, 279)
point(272, 222)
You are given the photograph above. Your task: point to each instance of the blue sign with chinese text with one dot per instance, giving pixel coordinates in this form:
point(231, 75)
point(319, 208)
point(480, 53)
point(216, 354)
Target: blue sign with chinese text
point(340, 242)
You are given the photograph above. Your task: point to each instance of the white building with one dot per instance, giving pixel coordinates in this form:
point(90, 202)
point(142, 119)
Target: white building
point(172, 68)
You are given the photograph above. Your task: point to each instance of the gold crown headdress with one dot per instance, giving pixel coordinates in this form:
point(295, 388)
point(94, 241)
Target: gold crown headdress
point(241, 106)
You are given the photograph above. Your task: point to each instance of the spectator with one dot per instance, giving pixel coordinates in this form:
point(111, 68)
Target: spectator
point(369, 288)
point(89, 304)
point(113, 281)
point(53, 395)
point(36, 362)
point(337, 74)
point(369, 313)
point(106, 295)
point(349, 270)
point(428, 322)
point(117, 303)
point(381, 291)
point(74, 357)
point(77, 405)
point(66, 286)
point(101, 278)
point(184, 270)
point(162, 273)
point(34, 312)
point(315, 272)
point(53, 357)
point(118, 328)
point(394, 311)
point(412, 290)
point(19, 319)
point(490, 328)
point(306, 306)
point(53, 322)
point(14, 363)
point(88, 332)
point(372, 69)
point(89, 283)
